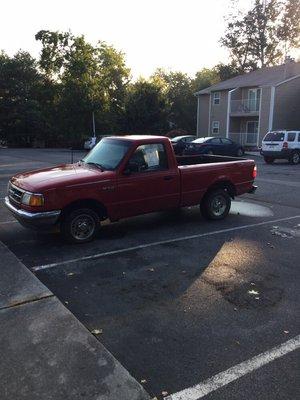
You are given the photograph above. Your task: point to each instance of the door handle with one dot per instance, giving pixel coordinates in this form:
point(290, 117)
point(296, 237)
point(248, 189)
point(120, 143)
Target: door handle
point(168, 177)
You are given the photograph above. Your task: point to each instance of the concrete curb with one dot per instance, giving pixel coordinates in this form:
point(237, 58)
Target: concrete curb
point(46, 353)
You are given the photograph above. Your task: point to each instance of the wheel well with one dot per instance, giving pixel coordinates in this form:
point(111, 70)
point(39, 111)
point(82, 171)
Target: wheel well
point(225, 185)
point(95, 205)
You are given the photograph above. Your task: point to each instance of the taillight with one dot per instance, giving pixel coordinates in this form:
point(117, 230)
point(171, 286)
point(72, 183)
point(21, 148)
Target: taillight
point(285, 145)
point(254, 173)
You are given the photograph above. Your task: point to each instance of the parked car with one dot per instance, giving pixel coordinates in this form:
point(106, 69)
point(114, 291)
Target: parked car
point(281, 145)
point(123, 177)
point(90, 143)
point(215, 145)
point(179, 143)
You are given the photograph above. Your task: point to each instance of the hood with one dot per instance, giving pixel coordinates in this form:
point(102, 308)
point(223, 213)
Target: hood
point(61, 175)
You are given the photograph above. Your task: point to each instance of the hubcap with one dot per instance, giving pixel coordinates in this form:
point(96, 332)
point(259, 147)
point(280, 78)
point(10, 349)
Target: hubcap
point(218, 206)
point(83, 227)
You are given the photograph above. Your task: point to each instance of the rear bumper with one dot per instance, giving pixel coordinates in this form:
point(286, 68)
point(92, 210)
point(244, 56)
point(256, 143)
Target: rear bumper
point(284, 154)
point(28, 219)
point(253, 189)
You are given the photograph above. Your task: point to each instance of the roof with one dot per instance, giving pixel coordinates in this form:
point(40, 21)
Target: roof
point(138, 137)
point(268, 76)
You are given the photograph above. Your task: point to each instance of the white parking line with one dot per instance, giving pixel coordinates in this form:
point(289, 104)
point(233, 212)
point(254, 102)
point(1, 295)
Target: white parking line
point(146, 245)
point(8, 222)
point(224, 378)
point(279, 182)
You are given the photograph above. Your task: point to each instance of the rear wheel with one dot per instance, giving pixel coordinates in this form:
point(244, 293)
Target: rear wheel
point(295, 158)
point(80, 225)
point(216, 204)
point(269, 160)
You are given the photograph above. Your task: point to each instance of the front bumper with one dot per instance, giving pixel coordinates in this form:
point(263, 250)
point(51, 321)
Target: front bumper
point(28, 219)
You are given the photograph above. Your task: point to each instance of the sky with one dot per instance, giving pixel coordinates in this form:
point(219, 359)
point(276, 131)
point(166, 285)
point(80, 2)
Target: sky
point(172, 34)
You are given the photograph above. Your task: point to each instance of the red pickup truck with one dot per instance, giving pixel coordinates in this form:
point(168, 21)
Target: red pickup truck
point(122, 177)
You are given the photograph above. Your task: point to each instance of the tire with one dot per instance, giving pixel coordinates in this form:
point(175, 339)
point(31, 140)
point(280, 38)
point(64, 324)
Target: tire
point(269, 160)
point(216, 204)
point(294, 158)
point(240, 152)
point(80, 225)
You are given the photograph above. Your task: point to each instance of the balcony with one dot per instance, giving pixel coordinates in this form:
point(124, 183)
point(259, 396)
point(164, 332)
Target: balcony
point(245, 107)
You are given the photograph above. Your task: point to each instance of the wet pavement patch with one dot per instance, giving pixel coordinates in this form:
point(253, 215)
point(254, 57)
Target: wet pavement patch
point(252, 295)
point(286, 232)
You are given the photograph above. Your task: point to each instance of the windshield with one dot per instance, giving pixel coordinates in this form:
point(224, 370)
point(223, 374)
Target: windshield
point(274, 137)
point(108, 153)
point(201, 140)
point(177, 139)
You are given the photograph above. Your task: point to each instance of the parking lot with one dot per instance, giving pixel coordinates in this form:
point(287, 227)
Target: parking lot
point(175, 298)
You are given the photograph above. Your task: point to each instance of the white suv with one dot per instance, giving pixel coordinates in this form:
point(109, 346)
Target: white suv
point(281, 145)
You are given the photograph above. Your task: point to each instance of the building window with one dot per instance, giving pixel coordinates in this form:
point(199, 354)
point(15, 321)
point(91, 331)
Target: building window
point(217, 98)
point(215, 127)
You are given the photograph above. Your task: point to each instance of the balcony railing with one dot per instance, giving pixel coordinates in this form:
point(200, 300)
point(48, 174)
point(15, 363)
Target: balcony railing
point(244, 138)
point(245, 106)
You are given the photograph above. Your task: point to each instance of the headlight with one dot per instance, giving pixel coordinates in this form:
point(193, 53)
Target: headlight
point(33, 199)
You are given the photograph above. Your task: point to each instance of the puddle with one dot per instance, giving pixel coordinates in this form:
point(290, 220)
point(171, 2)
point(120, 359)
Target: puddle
point(252, 295)
point(250, 209)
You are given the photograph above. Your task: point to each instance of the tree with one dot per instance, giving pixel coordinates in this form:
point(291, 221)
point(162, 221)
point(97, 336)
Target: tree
point(205, 78)
point(21, 117)
point(181, 103)
point(226, 71)
point(92, 79)
point(146, 108)
point(289, 28)
point(262, 36)
point(55, 49)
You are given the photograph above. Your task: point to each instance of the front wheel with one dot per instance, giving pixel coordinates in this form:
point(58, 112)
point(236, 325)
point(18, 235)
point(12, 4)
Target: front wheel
point(269, 160)
point(295, 158)
point(216, 204)
point(80, 225)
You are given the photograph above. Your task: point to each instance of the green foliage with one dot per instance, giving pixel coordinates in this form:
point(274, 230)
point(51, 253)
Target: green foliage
point(51, 100)
point(146, 108)
point(263, 35)
point(21, 118)
point(207, 77)
point(89, 79)
point(180, 101)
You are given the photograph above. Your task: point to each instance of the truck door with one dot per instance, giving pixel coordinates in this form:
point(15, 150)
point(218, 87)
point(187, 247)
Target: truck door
point(148, 183)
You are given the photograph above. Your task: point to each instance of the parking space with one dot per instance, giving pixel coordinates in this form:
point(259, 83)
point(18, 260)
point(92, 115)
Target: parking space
point(175, 298)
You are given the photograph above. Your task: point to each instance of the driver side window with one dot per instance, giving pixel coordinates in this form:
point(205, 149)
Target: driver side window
point(149, 157)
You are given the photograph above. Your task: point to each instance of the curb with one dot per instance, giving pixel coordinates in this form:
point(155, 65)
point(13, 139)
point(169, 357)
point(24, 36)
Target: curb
point(46, 352)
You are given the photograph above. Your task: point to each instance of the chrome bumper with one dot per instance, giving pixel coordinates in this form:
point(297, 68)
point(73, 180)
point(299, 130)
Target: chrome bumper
point(33, 220)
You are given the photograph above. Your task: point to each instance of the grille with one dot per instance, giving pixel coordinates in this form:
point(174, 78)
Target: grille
point(15, 193)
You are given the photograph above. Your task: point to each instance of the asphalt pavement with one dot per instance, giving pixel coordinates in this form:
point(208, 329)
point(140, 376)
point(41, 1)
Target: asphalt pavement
point(178, 299)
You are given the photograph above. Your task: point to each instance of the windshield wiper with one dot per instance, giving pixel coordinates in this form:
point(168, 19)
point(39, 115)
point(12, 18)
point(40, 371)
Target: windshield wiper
point(96, 164)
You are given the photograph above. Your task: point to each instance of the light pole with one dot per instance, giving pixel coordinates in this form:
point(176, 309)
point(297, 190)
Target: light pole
point(94, 130)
